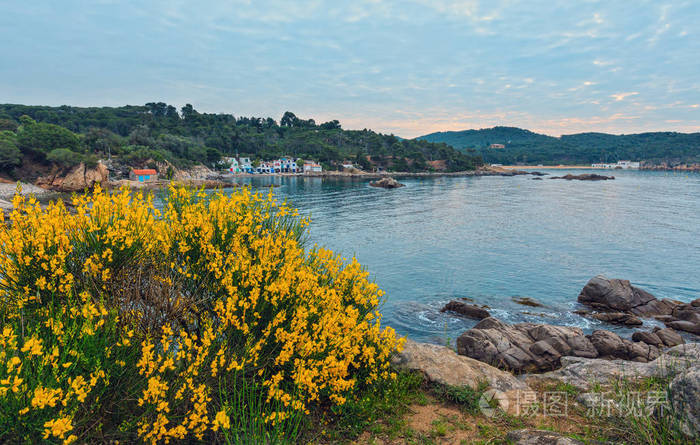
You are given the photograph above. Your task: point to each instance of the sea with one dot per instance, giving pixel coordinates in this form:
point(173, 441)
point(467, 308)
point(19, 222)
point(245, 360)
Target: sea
point(492, 239)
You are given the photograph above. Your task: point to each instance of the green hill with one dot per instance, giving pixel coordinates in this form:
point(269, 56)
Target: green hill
point(65, 135)
point(524, 146)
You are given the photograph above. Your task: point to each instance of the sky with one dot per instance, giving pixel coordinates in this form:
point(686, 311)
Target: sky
point(404, 67)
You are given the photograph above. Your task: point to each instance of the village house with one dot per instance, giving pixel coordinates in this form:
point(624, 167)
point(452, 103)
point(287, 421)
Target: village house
point(312, 167)
point(246, 165)
point(143, 175)
point(497, 146)
point(619, 165)
point(234, 165)
point(288, 165)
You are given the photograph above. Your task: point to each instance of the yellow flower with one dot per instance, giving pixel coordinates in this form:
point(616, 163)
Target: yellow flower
point(221, 420)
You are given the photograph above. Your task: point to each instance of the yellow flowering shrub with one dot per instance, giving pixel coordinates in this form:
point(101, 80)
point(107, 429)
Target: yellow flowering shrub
point(122, 320)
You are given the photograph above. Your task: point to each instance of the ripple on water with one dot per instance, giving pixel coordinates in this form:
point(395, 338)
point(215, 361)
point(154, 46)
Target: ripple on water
point(493, 238)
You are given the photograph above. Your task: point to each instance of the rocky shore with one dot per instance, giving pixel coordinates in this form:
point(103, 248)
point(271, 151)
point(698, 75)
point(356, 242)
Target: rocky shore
point(497, 352)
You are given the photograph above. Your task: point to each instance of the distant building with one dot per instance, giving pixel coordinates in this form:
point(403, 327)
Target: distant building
point(245, 165)
point(624, 165)
point(497, 146)
point(234, 165)
point(348, 165)
point(288, 165)
point(265, 167)
point(143, 175)
point(312, 167)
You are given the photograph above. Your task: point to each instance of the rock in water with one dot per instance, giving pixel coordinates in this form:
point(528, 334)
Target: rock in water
point(584, 177)
point(387, 183)
point(529, 347)
point(466, 309)
point(619, 296)
point(618, 318)
point(527, 301)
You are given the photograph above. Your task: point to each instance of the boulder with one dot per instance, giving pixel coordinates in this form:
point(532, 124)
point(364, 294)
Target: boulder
point(522, 347)
point(618, 318)
point(466, 309)
point(608, 344)
point(668, 336)
point(529, 347)
point(77, 179)
point(539, 437)
point(585, 373)
point(616, 296)
point(527, 301)
point(684, 397)
point(613, 295)
point(442, 365)
point(387, 183)
point(584, 177)
point(682, 325)
point(649, 338)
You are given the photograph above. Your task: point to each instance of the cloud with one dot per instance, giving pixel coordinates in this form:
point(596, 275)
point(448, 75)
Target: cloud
point(622, 96)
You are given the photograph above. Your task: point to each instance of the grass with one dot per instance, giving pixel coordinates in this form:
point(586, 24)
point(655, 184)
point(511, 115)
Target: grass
point(389, 417)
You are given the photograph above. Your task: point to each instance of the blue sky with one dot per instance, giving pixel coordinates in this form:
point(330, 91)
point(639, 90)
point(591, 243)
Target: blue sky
point(406, 67)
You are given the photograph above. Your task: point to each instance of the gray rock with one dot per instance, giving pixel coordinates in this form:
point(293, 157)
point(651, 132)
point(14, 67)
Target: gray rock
point(523, 347)
point(618, 318)
point(442, 365)
point(584, 372)
point(648, 337)
point(684, 397)
point(683, 325)
point(387, 182)
point(466, 309)
point(608, 344)
point(539, 437)
point(613, 294)
point(668, 336)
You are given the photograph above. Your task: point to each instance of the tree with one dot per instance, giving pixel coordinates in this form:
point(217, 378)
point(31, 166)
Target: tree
point(64, 157)
point(8, 124)
point(41, 138)
point(289, 119)
point(10, 155)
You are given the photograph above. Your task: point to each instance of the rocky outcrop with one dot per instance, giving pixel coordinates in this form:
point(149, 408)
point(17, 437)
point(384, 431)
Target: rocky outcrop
point(585, 373)
point(523, 347)
point(539, 437)
point(684, 397)
point(442, 365)
point(615, 297)
point(668, 336)
point(618, 318)
point(77, 179)
point(466, 309)
point(386, 182)
point(527, 301)
point(528, 347)
point(584, 177)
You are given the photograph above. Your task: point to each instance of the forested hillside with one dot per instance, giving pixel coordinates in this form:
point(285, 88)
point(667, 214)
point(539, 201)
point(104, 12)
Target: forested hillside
point(156, 131)
point(523, 146)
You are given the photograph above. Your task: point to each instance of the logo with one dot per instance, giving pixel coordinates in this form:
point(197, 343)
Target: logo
point(490, 401)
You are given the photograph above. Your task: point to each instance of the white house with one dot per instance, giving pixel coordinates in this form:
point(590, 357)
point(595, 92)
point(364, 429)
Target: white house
point(245, 165)
point(288, 165)
point(234, 166)
point(312, 167)
point(619, 165)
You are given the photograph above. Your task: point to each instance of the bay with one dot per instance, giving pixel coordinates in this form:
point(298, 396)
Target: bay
point(494, 238)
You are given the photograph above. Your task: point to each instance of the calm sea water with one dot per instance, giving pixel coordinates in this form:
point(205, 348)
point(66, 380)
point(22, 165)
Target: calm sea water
point(495, 238)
